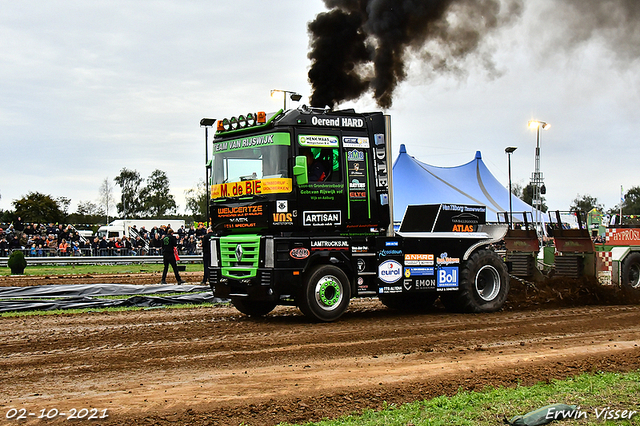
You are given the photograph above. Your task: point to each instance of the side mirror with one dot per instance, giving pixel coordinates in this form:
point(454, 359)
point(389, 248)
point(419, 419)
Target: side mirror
point(300, 170)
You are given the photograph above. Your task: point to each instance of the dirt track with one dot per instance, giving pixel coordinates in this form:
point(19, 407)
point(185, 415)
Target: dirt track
point(215, 366)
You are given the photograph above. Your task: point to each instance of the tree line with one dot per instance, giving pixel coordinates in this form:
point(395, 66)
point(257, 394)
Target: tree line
point(630, 202)
point(151, 198)
point(148, 198)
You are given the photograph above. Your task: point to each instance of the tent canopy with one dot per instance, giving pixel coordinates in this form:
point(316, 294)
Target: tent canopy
point(415, 182)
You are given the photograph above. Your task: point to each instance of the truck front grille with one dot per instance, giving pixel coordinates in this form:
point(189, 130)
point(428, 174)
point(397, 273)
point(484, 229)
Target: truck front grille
point(240, 256)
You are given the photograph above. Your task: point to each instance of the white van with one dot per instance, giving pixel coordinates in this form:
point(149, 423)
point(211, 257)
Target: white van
point(119, 228)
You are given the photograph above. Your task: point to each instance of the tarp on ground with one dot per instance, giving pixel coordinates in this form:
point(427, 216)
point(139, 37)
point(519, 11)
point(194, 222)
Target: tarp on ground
point(415, 182)
point(74, 290)
point(51, 297)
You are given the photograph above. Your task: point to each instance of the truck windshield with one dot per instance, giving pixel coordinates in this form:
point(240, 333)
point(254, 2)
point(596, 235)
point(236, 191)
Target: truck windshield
point(252, 165)
point(265, 162)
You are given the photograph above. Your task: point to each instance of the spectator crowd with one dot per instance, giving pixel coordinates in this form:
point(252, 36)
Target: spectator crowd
point(65, 240)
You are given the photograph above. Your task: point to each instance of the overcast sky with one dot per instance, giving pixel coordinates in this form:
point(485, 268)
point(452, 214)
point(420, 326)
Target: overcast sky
point(87, 88)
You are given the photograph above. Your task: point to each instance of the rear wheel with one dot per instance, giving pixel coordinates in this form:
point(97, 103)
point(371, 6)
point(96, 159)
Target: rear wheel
point(631, 271)
point(325, 294)
point(484, 285)
point(253, 308)
point(408, 301)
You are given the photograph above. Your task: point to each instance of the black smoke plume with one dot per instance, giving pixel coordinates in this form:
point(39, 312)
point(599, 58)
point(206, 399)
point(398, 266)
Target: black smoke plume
point(363, 45)
point(615, 23)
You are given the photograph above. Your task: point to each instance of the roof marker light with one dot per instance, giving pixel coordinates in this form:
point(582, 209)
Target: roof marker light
point(262, 117)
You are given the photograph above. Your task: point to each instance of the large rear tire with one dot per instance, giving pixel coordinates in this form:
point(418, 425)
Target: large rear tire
point(415, 302)
point(253, 308)
point(484, 285)
point(325, 294)
point(631, 272)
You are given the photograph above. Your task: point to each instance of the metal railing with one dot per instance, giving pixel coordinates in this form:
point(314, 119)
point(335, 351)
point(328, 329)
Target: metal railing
point(98, 260)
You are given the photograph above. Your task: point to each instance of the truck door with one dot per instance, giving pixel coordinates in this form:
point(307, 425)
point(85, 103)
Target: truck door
point(323, 199)
point(359, 172)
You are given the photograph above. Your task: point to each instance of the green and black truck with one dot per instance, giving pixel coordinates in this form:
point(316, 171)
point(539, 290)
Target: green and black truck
point(301, 203)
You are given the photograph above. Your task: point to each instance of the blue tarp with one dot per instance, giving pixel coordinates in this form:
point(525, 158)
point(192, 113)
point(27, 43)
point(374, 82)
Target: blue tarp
point(415, 182)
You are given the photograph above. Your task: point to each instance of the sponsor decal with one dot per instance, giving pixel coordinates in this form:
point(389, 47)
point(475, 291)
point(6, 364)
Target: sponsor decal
point(622, 236)
point(330, 245)
point(359, 249)
point(448, 277)
point(240, 225)
point(355, 142)
point(357, 189)
point(381, 166)
point(463, 228)
point(239, 219)
point(355, 184)
point(252, 187)
point(244, 211)
point(299, 253)
point(407, 284)
point(384, 253)
point(357, 176)
point(464, 209)
point(282, 206)
point(326, 192)
point(418, 259)
point(418, 271)
point(387, 290)
point(283, 218)
point(466, 218)
point(357, 169)
point(337, 121)
point(444, 259)
point(320, 141)
point(355, 155)
point(322, 218)
point(252, 142)
point(391, 244)
point(389, 271)
point(425, 284)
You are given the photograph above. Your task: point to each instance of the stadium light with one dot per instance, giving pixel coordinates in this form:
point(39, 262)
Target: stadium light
point(292, 95)
point(509, 150)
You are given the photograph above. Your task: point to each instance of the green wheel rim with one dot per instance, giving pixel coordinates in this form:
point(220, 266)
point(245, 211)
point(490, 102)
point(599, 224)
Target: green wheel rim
point(328, 292)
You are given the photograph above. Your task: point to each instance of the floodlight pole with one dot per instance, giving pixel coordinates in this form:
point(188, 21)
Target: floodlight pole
point(536, 178)
point(509, 150)
point(206, 123)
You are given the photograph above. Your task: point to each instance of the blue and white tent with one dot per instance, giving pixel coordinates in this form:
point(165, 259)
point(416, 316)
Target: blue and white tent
point(415, 182)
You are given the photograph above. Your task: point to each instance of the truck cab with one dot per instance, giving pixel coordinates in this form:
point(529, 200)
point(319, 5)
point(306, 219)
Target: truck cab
point(300, 204)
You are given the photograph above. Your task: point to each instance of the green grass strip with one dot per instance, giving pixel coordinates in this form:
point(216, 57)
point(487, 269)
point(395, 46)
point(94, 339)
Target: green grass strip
point(132, 268)
point(601, 393)
point(99, 310)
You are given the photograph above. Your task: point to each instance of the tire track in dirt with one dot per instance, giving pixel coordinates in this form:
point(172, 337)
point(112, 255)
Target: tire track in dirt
point(215, 366)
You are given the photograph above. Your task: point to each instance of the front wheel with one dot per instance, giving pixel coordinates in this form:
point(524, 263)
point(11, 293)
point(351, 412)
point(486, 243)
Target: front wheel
point(253, 308)
point(484, 285)
point(325, 293)
point(631, 272)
